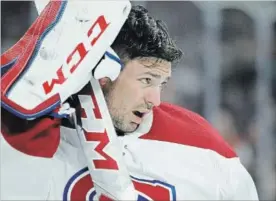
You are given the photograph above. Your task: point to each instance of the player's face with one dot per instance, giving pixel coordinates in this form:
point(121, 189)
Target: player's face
point(136, 91)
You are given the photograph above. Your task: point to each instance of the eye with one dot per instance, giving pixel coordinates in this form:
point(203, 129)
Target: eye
point(146, 81)
point(163, 85)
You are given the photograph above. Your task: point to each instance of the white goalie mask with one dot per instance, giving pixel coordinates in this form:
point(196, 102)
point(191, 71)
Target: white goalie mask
point(56, 56)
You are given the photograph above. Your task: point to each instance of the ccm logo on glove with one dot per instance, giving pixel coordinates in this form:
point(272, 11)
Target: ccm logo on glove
point(78, 54)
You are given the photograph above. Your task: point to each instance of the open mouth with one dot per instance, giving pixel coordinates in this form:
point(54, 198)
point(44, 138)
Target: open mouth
point(138, 114)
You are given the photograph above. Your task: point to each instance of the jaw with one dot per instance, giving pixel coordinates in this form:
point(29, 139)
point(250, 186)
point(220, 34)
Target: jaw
point(130, 129)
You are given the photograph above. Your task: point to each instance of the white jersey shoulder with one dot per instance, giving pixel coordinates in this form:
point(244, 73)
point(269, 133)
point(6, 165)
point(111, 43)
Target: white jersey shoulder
point(181, 161)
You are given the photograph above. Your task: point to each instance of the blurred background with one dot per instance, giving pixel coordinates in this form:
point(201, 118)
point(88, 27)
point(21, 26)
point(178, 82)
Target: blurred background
point(228, 73)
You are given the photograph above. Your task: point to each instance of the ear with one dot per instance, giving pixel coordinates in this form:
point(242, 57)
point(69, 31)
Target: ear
point(103, 81)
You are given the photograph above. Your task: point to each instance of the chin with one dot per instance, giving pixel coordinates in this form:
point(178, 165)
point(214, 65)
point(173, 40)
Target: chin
point(133, 128)
point(129, 129)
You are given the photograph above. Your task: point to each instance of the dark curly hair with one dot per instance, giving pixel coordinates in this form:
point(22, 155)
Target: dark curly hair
point(143, 36)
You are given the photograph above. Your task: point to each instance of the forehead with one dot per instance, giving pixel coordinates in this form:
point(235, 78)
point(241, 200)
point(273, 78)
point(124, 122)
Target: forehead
point(142, 65)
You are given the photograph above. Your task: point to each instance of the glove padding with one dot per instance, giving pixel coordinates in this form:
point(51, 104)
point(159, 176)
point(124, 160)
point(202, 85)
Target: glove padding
point(56, 56)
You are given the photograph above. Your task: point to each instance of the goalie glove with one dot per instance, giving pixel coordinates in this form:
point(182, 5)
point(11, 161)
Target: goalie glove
point(56, 56)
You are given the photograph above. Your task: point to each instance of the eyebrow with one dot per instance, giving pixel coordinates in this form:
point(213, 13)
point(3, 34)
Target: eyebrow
point(157, 76)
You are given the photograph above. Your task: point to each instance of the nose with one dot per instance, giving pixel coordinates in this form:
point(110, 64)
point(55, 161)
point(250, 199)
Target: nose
point(153, 96)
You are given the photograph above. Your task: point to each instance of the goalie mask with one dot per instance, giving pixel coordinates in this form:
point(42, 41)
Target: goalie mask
point(57, 55)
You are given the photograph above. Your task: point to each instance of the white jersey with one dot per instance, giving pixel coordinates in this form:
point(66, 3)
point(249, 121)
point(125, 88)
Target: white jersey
point(174, 155)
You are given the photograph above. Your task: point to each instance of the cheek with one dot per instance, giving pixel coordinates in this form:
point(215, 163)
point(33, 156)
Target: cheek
point(126, 100)
point(127, 94)
point(134, 94)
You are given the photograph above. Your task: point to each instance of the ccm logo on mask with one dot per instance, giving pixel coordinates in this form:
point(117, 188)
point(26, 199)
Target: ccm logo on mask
point(77, 55)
